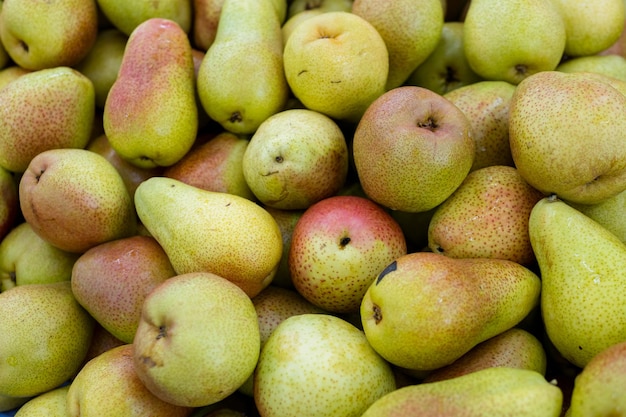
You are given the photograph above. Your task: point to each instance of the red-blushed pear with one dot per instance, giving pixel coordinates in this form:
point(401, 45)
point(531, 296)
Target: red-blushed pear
point(412, 148)
point(112, 280)
point(84, 199)
point(151, 114)
point(338, 247)
point(110, 382)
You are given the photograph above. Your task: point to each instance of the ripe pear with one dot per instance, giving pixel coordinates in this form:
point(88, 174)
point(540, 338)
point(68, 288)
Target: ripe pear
point(490, 392)
point(9, 202)
point(48, 404)
point(101, 341)
point(286, 220)
point(486, 217)
point(599, 387)
point(198, 339)
point(583, 267)
point(46, 335)
point(10, 73)
point(609, 65)
point(486, 105)
point(412, 148)
point(426, 310)
point(336, 63)
point(319, 365)
point(241, 80)
point(83, 197)
point(41, 110)
point(126, 16)
point(150, 115)
point(202, 230)
point(297, 6)
point(510, 40)
point(69, 31)
point(555, 158)
point(609, 213)
point(296, 158)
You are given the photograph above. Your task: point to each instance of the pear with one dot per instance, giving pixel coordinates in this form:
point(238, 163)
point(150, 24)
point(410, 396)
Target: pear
point(126, 16)
point(83, 197)
point(10, 73)
point(11, 404)
point(44, 35)
point(609, 214)
point(46, 335)
point(582, 267)
point(241, 80)
point(426, 310)
point(599, 388)
point(298, 6)
point(486, 217)
point(556, 157)
point(286, 220)
point(9, 202)
point(41, 110)
point(510, 40)
point(48, 404)
point(202, 230)
point(489, 392)
point(101, 341)
point(609, 65)
point(486, 105)
point(198, 339)
point(411, 30)
point(319, 365)
point(150, 115)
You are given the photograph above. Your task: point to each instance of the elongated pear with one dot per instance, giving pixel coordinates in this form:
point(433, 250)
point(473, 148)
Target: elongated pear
point(216, 232)
point(583, 270)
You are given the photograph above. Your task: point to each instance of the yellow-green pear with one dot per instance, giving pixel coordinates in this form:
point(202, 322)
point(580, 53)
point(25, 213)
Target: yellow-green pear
point(609, 213)
point(45, 336)
point(591, 27)
point(241, 80)
point(609, 65)
point(126, 16)
point(84, 199)
point(319, 365)
point(151, 115)
point(198, 339)
point(583, 267)
point(491, 392)
point(39, 35)
point(599, 387)
point(510, 40)
point(11, 404)
point(10, 73)
point(286, 220)
point(41, 110)
point(411, 30)
point(52, 403)
point(426, 310)
point(336, 63)
point(556, 119)
point(297, 6)
point(203, 230)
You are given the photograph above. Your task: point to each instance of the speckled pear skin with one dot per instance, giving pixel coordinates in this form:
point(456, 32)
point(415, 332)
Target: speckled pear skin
point(583, 268)
point(502, 391)
point(150, 115)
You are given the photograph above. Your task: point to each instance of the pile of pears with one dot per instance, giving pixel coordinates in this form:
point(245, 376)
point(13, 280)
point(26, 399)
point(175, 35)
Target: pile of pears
point(318, 208)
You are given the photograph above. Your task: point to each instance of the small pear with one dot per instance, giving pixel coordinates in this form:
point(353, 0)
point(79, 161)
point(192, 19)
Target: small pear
point(202, 230)
point(286, 220)
point(609, 65)
point(609, 213)
point(126, 16)
point(9, 202)
point(48, 404)
point(10, 73)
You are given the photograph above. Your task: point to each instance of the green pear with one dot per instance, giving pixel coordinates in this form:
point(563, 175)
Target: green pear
point(46, 335)
point(486, 217)
point(426, 310)
point(215, 165)
point(26, 258)
point(297, 6)
point(151, 115)
point(127, 16)
point(48, 404)
point(83, 197)
point(198, 339)
point(599, 388)
point(319, 365)
point(286, 220)
point(415, 227)
point(11, 404)
point(112, 280)
point(101, 65)
point(446, 68)
point(241, 80)
point(411, 30)
point(510, 40)
point(486, 105)
point(39, 35)
point(202, 230)
point(591, 27)
point(336, 63)
point(46, 109)
point(10, 73)
point(295, 20)
point(412, 148)
point(490, 392)
point(609, 65)
point(555, 158)
point(582, 267)
point(296, 158)
point(609, 213)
